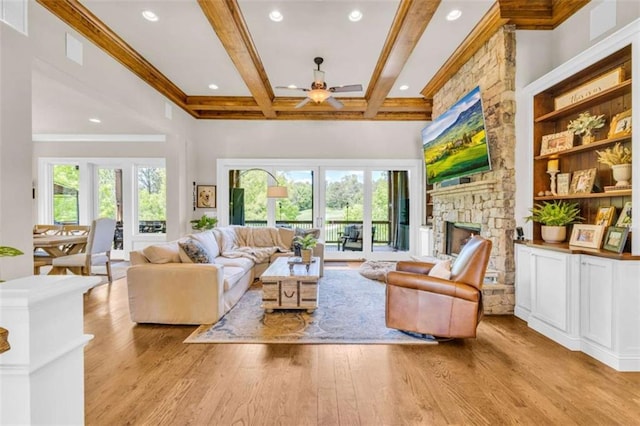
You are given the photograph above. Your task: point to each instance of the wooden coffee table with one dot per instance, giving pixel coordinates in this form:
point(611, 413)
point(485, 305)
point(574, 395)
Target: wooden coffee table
point(285, 287)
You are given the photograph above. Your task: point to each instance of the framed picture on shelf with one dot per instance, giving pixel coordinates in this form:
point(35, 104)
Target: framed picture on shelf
point(582, 181)
point(620, 124)
point(605, 216)
point(589, 236)
point(615, 239)
point(556, 142)
point(624, 220)
point(563, 182)
point(206, 196)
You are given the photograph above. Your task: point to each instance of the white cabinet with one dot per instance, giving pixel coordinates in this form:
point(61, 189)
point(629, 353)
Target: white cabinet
point(554, 296)
point(523, 280)
point(583, 302)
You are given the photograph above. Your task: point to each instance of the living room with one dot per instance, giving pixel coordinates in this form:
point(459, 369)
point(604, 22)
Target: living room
point(191, 150)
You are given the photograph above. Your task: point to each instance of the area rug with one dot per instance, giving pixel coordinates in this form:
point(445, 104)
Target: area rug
point(350, 311)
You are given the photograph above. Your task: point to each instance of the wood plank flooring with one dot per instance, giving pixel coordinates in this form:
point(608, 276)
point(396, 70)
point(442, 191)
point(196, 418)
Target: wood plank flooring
point(145, 375)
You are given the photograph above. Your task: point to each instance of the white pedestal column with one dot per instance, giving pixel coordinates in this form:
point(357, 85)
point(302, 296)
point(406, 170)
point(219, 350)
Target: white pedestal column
point(42, 375)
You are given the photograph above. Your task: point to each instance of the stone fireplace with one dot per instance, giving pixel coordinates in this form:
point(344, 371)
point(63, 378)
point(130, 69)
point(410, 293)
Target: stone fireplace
point(488, 200)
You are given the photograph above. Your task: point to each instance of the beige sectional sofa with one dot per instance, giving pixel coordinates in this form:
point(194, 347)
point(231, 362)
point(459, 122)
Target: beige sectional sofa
point(166, 286)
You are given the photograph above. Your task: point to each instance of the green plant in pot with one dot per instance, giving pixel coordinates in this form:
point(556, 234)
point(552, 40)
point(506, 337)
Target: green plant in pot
point(554, 218)
point(204, 223)
point(306, 244)
point(585, 124)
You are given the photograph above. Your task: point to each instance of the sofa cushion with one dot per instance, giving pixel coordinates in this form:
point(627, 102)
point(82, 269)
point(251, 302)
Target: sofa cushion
point(207, 239)
point(162, 253)
point(286, 235)
point(238, 262)
point(232, 275)
point(196, 251)
point(441, 269)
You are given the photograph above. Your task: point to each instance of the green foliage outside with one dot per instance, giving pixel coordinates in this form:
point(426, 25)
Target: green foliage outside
point(348, 191)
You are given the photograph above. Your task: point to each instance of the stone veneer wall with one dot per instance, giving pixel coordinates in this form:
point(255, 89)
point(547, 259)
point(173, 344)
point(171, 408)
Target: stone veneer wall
point(489, 198)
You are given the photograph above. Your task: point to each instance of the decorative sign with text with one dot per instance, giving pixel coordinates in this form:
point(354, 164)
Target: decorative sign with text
point(591, 88)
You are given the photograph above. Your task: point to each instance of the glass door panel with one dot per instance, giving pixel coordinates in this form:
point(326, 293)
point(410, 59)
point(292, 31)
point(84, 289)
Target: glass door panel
point(343, 212)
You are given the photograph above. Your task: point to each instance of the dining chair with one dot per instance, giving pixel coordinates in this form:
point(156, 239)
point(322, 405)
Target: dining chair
point(97, 252)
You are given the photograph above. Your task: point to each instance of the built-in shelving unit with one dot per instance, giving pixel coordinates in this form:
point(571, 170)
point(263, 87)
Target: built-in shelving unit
point(547, 120)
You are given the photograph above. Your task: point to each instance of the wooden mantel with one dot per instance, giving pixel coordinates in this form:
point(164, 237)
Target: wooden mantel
point(464, 189)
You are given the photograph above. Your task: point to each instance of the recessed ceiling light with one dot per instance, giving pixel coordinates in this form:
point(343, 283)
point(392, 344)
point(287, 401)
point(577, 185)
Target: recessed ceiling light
point(403, 87)
point(275, 16)
point(213, 86)
point(292, 86)
point(355, 15)
point(454, 14)
point(95, 120)
point(150, 16)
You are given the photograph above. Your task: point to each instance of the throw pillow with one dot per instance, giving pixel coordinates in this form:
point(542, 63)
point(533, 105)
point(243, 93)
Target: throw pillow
point(162, 253)
point(441, 269)
point(196, 251)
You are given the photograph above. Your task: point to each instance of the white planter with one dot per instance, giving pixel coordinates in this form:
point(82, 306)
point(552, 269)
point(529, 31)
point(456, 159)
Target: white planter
point(621, 174)
point(554, 234)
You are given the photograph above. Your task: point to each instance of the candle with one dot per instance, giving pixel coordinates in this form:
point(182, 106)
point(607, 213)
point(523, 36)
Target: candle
point(552, 165)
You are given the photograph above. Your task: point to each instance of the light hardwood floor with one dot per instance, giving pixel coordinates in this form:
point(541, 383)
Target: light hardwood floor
point(144, 374)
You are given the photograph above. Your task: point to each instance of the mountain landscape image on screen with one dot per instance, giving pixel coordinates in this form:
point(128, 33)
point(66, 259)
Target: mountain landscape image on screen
point(455, 144)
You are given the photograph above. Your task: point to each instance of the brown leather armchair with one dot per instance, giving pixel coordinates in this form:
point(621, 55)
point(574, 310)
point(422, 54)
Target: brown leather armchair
point(417, 302)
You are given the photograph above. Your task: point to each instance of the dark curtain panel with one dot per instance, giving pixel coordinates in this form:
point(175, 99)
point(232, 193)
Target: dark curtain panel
point(399, 197)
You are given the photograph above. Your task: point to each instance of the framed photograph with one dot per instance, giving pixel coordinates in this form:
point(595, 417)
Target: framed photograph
point(206, 196)
point(589, 236)
point(615, 239)
point(582, 181)
point(556, 142)
point(563, 182)
point(620, 124)
point(624, 220)
point(605, 216)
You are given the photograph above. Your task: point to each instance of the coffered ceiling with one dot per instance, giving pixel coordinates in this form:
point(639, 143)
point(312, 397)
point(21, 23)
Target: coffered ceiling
point(234, 45)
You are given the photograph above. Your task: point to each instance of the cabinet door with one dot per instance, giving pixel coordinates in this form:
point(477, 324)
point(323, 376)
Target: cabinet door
point(523, 281)
point(596, 300)
point(551, 288)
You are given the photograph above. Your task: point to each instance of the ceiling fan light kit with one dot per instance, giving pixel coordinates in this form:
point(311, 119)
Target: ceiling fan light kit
point(319, 92)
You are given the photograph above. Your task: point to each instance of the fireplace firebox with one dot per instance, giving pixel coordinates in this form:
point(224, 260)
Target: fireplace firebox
point(457, 234)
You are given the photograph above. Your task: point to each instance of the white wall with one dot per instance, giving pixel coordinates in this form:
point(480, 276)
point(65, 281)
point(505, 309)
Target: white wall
point(15, 151)
point(303, 139)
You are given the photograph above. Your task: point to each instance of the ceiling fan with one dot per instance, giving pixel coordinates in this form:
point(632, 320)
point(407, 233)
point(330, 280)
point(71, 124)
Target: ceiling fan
point(319, 91)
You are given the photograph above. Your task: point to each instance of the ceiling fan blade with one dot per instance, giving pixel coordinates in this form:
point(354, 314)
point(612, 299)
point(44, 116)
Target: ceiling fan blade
point(334, 102)
point(318, 76)
point(346, 88)
point(291, 88)
point(303, 103)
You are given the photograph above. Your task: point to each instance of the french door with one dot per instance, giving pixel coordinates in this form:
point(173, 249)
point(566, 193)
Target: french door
point(362, 208)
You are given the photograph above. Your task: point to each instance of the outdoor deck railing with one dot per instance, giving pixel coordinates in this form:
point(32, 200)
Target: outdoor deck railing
point(333, 229)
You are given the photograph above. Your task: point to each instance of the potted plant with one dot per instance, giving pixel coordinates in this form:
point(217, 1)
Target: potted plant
point(306, 244)
point(554, 218)
point(584, 124)
point(204, 223)
point(619, 159)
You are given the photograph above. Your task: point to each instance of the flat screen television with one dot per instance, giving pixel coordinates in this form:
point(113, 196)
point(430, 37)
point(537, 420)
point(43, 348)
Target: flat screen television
point(455, 144)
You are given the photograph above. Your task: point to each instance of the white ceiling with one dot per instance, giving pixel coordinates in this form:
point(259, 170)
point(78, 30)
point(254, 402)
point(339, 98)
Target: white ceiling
point(184, 47)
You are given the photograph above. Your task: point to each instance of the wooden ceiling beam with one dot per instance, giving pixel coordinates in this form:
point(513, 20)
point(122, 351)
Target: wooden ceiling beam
point(410, 21)
point(480, 34)
point(228, 23)
point(78, 17)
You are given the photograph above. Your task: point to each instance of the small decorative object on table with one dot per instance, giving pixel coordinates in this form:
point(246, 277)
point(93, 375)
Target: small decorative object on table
point(615, 239)
point(306, 243)
point(585, 124)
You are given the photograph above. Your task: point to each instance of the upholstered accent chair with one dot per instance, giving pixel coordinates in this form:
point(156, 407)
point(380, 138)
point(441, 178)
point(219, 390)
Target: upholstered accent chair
point(98, 251)
point(444, 308)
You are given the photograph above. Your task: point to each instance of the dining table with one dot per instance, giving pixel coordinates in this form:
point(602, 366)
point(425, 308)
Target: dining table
point(60, 245)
